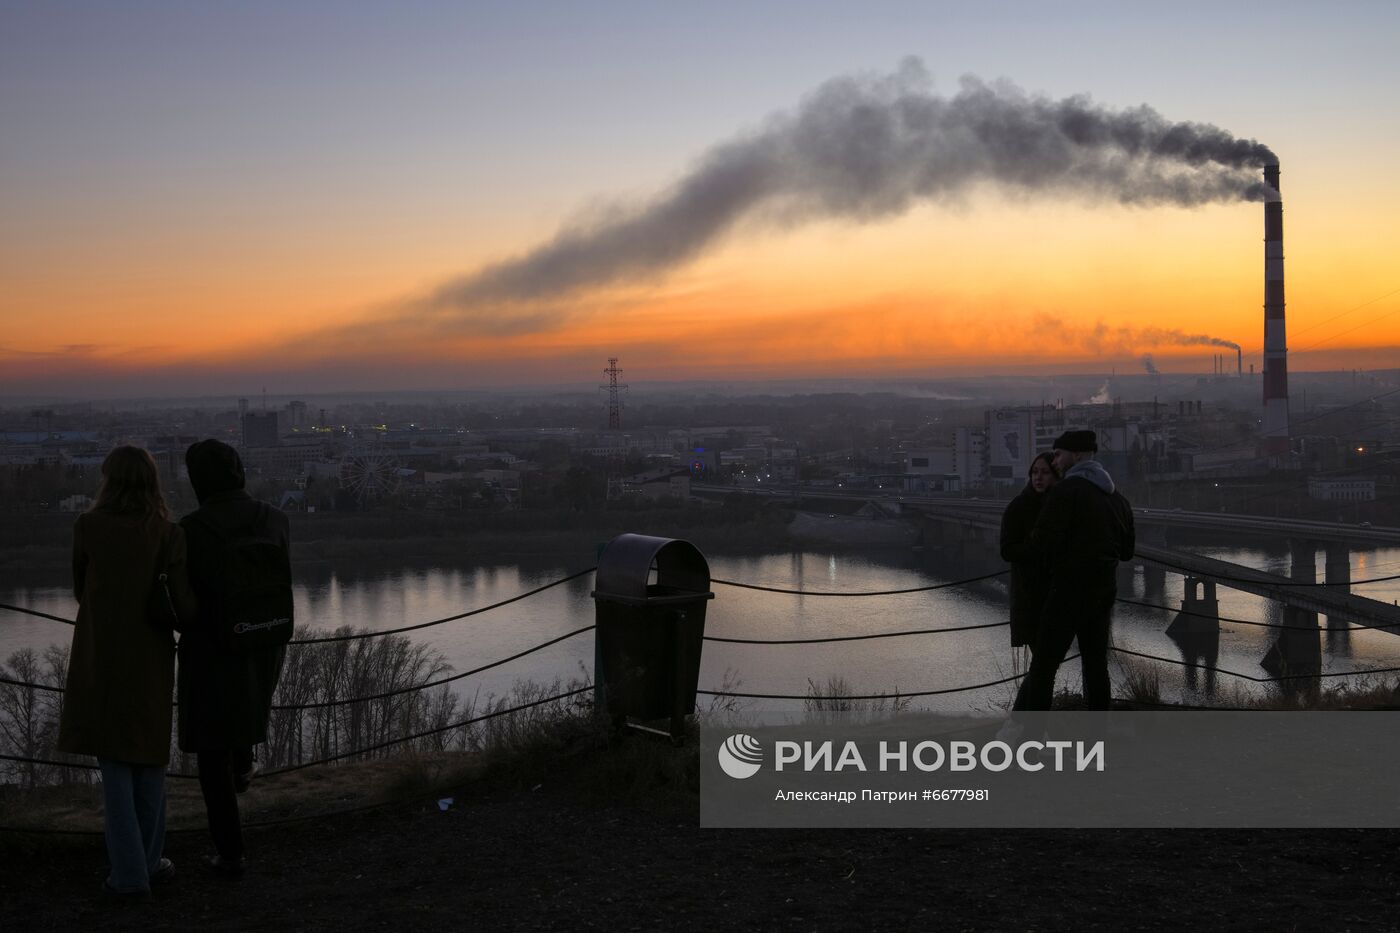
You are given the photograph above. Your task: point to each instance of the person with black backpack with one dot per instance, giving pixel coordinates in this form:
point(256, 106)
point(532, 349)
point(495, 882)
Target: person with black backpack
point(239, 562)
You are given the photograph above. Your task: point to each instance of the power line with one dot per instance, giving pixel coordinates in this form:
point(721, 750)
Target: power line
point(1336, 317)
point(1313, 346)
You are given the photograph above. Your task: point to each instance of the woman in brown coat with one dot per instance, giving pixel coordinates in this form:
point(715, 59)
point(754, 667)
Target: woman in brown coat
point(116, 706)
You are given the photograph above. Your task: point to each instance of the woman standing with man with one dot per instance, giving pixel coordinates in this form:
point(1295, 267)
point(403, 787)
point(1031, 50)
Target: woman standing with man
point(1030, 573)
point(121, 673)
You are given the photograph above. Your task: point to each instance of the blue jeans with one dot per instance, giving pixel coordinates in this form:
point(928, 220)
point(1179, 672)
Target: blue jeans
point(133, 799)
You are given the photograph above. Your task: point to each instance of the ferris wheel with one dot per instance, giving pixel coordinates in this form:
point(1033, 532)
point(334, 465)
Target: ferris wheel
point(369, 474)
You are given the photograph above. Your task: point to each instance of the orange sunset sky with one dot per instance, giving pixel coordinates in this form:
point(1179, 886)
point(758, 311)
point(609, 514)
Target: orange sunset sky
point(205, 198)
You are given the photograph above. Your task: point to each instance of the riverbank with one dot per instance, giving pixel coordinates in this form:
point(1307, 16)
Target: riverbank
point(37, 551)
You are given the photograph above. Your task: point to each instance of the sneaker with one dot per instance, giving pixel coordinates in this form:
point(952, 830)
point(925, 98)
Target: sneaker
point(241, 782)
point(225, 867)
point(164, 873)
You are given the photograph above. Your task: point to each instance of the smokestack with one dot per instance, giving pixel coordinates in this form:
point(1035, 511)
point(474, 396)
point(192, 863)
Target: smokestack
point(1275, 338)
point(1239, 362)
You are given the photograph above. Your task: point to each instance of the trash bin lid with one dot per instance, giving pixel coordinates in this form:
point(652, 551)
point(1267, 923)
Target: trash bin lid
point(625, 566)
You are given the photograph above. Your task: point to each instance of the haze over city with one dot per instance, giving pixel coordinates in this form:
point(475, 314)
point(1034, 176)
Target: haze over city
point(339, 197)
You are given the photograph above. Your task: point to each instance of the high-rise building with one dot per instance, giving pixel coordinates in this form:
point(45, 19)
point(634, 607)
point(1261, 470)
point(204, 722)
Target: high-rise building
point(260, 429)
point(295, 416)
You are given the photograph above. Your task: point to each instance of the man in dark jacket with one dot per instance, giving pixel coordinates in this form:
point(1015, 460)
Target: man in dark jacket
point(225, 694)
point(1085, 528)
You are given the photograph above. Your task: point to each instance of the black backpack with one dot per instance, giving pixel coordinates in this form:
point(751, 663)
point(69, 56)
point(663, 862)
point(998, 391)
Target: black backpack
point(255, 588)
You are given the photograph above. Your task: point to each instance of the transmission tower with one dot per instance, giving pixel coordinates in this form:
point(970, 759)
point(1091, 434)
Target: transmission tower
point(614, 398)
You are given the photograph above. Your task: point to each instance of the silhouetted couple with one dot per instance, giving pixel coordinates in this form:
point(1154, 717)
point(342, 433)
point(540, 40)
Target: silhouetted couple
point(1064, 536)
point(138, 579)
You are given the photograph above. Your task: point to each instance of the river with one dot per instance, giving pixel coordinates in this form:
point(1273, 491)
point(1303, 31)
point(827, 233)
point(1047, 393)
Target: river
point(379, 599)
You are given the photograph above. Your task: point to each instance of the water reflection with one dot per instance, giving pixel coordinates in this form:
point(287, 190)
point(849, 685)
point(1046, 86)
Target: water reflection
point(364, 595)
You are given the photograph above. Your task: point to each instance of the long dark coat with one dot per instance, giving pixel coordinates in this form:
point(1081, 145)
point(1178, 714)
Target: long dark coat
point(1030, 575)
point(116, 704)
point(1083, 532)
point(225, 697)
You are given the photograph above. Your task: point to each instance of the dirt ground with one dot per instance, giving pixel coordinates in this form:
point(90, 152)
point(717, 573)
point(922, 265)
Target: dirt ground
point(555, 853)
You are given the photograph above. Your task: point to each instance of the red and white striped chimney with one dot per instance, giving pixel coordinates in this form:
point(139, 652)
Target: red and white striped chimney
point(1275, 434)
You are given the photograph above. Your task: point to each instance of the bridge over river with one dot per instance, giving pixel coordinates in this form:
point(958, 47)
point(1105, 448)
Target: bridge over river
point(970, 523)
point(1300, 591)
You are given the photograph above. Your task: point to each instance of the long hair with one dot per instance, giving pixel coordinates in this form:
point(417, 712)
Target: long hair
point(1048, 456)
point(131, 484)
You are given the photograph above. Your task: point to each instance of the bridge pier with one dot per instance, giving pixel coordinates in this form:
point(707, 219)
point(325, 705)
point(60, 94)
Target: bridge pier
point(1200, 609)
point(952, 547)
point(1338, 575)
point(973, 547)
point(1154, 580)
point(1303, 568)
point(1302, 560)
point(1298, 648)
point(1154, 534)
point(1338, 567)
point(1195, 631)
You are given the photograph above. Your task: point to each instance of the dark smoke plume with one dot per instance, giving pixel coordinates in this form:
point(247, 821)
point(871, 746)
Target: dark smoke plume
point(1150, 365)
point(1104, 339)
point(866, 147)
point(1157, 337)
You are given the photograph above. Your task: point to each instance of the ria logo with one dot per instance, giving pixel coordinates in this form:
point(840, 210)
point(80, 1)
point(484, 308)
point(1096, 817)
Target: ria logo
point(741, 756)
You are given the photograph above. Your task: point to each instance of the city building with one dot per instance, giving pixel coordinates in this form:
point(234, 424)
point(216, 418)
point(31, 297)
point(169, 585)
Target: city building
point(660, 483)
point(261, 429)
point(931, 461)
point(1342, 488)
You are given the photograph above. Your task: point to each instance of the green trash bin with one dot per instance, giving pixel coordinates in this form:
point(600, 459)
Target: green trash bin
point(647, 647)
